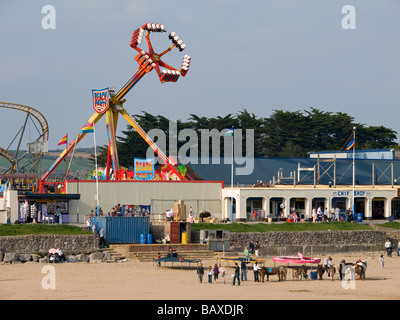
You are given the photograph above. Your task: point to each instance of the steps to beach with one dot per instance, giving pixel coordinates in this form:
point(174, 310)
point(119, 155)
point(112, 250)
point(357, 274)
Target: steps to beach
point(113, 255)
point(150, 252)
point(202, 255)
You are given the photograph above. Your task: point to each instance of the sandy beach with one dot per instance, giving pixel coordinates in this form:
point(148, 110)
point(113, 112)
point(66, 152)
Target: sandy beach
point(144, 281)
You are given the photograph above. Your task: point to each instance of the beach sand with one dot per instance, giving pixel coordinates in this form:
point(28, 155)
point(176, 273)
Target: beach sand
point(144, 281)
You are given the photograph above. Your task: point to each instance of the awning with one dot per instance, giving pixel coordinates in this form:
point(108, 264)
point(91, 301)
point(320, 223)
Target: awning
point(51, 196)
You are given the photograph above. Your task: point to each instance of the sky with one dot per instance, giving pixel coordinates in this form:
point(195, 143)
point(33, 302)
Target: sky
point(260, 56)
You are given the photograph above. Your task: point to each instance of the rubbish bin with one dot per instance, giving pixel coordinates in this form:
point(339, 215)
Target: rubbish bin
point(391, 219)
point(359, 217)
point(313, 275)
point(185, 238)
point(143, 239)
point(149, 238)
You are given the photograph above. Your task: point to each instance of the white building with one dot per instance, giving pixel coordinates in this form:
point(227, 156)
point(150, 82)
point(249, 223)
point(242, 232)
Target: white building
point(377, 202)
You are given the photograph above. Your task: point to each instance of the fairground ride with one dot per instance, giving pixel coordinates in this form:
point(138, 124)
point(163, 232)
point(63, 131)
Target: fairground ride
point(21, 174)
point(112, 104)
point(26, 161)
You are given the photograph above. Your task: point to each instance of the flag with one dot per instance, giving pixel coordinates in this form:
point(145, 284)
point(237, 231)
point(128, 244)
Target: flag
point(63, 140)
point(351, 144)
point(229, 132)
point(89, 128)
point(182, 169)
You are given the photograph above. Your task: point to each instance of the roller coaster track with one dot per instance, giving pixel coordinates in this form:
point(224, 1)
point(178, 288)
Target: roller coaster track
point(9, 156)
point(41, 120)
point(33, 112)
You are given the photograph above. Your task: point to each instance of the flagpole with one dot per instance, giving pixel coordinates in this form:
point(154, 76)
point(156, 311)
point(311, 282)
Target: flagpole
point(233, 139)
point(72, 157)
point(354, 171)
point(97, 174)
point(66, 145)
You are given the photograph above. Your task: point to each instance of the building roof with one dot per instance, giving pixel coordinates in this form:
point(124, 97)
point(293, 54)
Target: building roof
point(372, 154)
point(266, 169)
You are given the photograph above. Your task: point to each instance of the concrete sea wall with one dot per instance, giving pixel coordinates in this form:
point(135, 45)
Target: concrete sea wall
point(272, 243)
point(310, 242)
point(42, 243)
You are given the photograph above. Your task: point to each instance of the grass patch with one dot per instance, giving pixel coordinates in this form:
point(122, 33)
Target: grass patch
point(291, 227)
point(392, 225)
point(38, 228)
point(64, 229)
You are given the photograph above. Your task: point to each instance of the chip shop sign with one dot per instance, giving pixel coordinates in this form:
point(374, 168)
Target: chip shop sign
point(347, 193)
point(100, 100)
point(144, 169)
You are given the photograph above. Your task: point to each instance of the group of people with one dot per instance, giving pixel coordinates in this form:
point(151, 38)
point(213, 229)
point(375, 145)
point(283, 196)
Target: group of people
point(240, 273)
point(115, 211)
point(90, 226)
point(212, 273)
point(389, 251)
point(56, 255)
point(327, 264)
point(124, 210)
point(389, 248)
point(318, 215)
point(169, 215)
point(244, 270)
point(253, 248)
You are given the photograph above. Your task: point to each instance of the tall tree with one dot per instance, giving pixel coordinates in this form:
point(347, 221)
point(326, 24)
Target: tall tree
point(283, 134)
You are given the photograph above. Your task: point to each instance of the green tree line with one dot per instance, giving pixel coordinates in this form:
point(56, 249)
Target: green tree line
point(283, 134)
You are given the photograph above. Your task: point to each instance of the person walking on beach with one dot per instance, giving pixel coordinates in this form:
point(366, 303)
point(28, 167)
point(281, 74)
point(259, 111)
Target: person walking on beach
point(389, 248)
point(216, 272)
point(247, 254)
point(398, 247)
point(251, 247)
point(256, 267)
point(200, 272)
point(327, 264)
point(243, 268)
point(158, 260)
point(382, 261)
point(257, 249)
point(236, 274)
point(210, 274)
point(222, 271)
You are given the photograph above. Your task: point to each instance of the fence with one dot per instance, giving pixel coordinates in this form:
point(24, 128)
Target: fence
point(159, 207)
point(122, 229)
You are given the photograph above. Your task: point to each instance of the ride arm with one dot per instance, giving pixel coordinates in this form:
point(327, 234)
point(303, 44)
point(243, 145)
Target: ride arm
point(130, 84)
point(151, 143)
point(93, 119)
